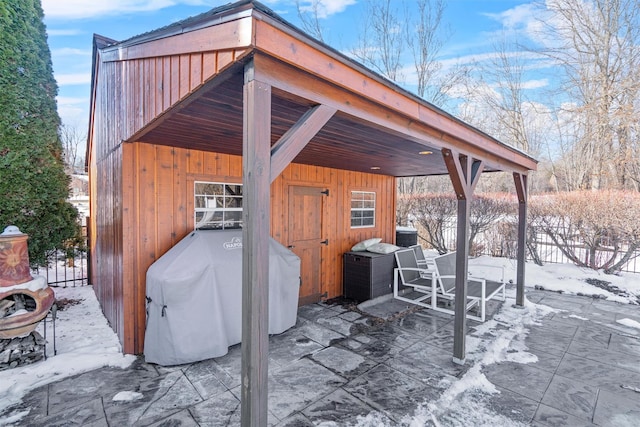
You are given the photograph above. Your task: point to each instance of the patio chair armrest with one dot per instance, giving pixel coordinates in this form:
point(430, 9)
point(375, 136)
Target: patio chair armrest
point(501, 267)
point(416, 269)
point(469, 278)
point(477, 279)
point(423, 271)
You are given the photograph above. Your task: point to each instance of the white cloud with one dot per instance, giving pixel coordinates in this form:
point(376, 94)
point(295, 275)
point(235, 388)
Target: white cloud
point(69, 100)
point(73, 111)
point(69, 51)
point(478, 93)
point(489, 56)
point(78, 9)
point(63, 32)
point(526, 21)
point(73, 79)
point(535, 84)
point(326, 8)
point(71, 115)
point(518, 17)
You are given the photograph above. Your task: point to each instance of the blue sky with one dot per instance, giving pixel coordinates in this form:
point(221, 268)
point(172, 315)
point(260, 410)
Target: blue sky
point(72, 23)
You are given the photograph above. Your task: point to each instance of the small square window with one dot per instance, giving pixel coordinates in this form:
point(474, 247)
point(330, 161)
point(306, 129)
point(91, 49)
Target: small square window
point(363, 209)
point(218, 206)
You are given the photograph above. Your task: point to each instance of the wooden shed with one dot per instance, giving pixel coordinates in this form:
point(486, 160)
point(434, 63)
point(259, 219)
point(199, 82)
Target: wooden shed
point(239, 103)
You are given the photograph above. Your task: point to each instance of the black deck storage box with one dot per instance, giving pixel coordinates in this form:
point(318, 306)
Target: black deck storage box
point(406, 237)
point(367, 275)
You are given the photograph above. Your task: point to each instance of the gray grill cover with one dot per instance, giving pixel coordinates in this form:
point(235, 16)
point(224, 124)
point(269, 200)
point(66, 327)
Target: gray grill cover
point(194, 297)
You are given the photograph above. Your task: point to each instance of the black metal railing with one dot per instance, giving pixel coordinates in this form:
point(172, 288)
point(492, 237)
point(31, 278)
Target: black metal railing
point(67, 266)
point(501, 241)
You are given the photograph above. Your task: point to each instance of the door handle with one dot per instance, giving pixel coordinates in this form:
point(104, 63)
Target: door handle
point(290, 247)
point(325, 242)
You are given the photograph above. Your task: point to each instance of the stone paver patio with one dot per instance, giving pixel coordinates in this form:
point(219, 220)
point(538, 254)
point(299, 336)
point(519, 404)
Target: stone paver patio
point(339, 363)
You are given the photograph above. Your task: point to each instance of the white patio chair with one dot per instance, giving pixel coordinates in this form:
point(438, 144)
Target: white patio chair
point(419, 285)
point(438, 282)
point(479, 289)
point(420, 258)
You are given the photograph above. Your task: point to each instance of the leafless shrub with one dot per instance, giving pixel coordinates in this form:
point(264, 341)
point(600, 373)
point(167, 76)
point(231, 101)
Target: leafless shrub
point(594, 229)
point(436, 213)
point(502, 239)
point(532, 241)
point(404, 209)
point(433, 215)
point(487, 210)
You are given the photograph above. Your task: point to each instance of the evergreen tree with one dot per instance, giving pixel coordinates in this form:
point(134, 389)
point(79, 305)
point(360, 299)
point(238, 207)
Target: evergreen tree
point(33, 184)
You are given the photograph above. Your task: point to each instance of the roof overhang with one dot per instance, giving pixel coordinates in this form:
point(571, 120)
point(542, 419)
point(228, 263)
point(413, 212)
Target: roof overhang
point(378, 127)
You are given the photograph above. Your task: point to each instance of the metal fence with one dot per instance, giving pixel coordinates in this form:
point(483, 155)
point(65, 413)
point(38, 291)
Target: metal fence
point(501, 241)
point(550, 253)
point(67, 266)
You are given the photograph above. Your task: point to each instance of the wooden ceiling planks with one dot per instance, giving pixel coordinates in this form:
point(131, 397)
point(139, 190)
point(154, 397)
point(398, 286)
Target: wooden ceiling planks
point(214, 123)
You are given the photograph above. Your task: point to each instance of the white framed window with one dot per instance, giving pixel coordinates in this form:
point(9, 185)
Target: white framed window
point(363, 209)
point(218, 205)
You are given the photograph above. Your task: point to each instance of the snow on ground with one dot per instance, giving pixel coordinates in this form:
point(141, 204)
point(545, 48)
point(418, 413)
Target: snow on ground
point(500, 339)
point(630, 323)
point(565, 278)
point(127, 396)
point(84, 342)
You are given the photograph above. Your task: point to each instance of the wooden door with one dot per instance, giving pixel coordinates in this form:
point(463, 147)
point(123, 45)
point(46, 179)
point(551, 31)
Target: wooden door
point(305, 238)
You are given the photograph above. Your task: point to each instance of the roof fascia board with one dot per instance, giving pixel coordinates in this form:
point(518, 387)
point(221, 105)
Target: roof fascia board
point(231, 34)
point(99, 42)
point(337, 68)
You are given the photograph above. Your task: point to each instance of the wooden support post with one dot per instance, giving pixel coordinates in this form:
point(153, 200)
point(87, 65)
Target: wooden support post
point(256, 179)
point(462, 266)
point(464, 172)
point(522, 192)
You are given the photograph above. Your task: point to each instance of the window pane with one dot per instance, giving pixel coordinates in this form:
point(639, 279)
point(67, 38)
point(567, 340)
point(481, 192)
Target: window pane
point(233, 190)
point(234, 202)
point(209, 188)
point(199, 216)
point(233, 220)
point(363, 204)
point(217, 205)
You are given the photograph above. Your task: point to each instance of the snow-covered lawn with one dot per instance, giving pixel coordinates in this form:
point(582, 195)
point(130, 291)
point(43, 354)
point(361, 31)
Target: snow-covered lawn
point(565, 278)
point(86, 342)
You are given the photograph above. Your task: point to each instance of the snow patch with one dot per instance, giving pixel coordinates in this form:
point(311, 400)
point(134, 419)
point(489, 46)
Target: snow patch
point(84, 342)
point(464, 401)
point(629, 322)
point(564, 278)
point(127, 396)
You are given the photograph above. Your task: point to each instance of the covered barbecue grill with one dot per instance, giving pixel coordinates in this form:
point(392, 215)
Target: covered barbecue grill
point(194, 297)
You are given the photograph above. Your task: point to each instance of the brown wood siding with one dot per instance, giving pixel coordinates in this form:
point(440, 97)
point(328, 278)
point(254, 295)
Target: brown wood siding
point(158, 206)
point(107, 240)
point(130, 94)
point(140, 90)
